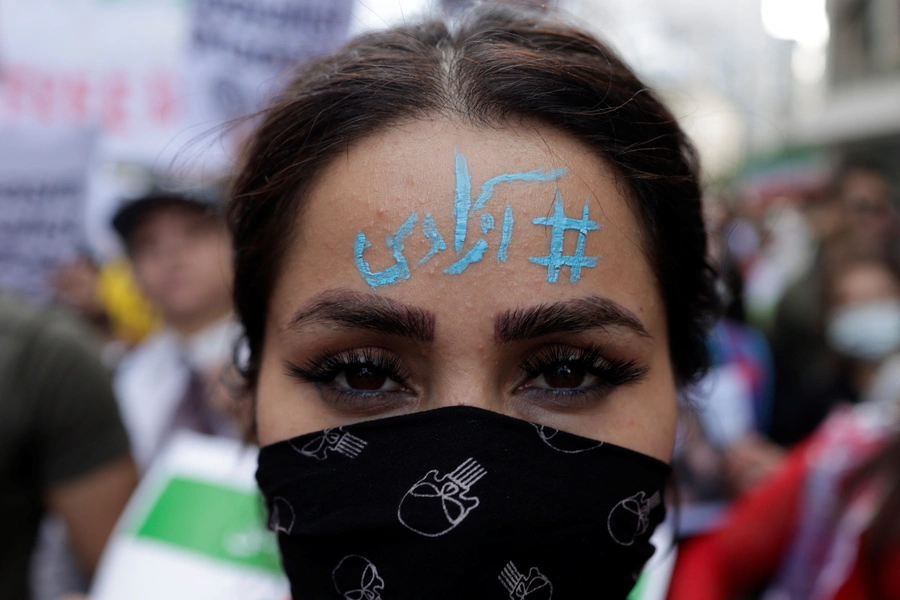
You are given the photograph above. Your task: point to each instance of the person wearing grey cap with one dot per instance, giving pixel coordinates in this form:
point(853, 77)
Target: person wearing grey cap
point(180, 250)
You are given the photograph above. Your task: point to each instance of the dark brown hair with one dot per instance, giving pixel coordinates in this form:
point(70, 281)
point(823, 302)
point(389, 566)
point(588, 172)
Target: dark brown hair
point(494, 66)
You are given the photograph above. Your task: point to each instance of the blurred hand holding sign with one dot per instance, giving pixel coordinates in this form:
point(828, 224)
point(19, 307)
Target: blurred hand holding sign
point(195, 528)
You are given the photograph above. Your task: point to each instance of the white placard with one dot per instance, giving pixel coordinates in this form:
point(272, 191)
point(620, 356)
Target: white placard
point(243, 50)
point(194, 530)
point(113, 64)
point(42, 182)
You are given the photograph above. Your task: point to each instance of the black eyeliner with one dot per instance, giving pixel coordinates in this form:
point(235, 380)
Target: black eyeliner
point(326, 366)
point(594, 359)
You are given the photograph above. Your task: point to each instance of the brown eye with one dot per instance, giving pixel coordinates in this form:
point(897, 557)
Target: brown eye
point(365, 378)
point(367, 375)
point(564, 375)
point(567, 373)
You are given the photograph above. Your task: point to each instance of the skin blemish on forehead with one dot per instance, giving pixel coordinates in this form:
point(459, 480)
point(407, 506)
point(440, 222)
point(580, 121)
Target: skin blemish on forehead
point(462, 207)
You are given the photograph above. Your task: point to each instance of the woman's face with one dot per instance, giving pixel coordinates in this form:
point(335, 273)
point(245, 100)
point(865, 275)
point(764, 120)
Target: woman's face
point(865, 283)
point(403, 291)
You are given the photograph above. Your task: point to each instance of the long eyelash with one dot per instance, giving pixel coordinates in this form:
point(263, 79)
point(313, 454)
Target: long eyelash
point(325, 367)
point(592, 358)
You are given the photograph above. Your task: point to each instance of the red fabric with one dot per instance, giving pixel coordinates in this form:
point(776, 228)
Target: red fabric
point(745, 552)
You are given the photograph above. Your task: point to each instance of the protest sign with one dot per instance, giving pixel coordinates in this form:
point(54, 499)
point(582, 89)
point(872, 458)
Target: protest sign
point(241, 50)
point(455, 6)
point(195, 528)
point(42, 184)
point(115, 65)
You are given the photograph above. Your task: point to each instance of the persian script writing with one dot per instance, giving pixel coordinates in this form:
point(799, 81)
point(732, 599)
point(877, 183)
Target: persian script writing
point(464, 210)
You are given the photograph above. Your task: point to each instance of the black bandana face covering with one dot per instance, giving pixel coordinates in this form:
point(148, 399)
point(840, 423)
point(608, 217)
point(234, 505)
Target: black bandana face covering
point(460, 503)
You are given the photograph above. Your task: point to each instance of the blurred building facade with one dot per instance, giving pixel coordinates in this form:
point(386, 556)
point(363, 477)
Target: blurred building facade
point(725, 78)
point(859, 109)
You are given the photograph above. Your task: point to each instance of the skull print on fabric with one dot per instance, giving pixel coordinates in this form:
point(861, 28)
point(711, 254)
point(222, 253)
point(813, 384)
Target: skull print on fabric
point(356, 578)
point(282, 516)
point(631, 517)
point(438, 503)
point(459, 502)
point(533, 586)
point(332, 440)
point(570, 444)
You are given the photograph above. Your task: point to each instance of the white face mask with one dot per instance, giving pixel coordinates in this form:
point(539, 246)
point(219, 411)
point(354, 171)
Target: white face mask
point(867, 332)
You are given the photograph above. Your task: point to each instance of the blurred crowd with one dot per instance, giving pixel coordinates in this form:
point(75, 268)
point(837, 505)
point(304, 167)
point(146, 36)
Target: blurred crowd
point(75, 440)
point(788, 459)
point(804, 388)
point(790, 437)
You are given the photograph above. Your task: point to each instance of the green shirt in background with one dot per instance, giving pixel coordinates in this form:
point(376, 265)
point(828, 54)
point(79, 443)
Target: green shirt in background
point(58, 421)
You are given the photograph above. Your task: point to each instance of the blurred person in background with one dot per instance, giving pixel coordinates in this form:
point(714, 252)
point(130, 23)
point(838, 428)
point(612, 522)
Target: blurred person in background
point(859, 322)
point(107, 298)
point(826, 524)
point(62, 444)
point(735, 234)
point(869, 208)
point(729, 405)
point(180, 251)
point(785, 251)
point(856, 215)
point(75, 286)
point(862, 325)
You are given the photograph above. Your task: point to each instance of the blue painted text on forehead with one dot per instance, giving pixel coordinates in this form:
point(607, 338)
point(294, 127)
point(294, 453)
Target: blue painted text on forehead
point(463, 208)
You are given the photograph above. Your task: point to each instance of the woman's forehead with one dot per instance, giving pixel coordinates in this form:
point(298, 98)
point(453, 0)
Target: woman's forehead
point(421, 157)
point(432, 207)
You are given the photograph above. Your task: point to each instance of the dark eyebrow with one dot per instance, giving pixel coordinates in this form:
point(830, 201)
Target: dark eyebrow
point(569, 316)
point(345, 308)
